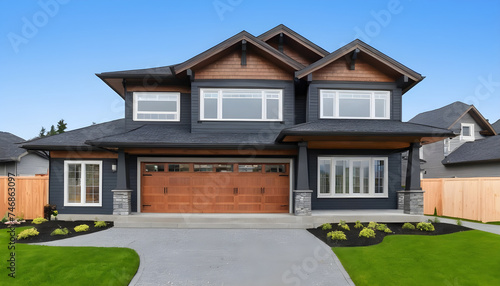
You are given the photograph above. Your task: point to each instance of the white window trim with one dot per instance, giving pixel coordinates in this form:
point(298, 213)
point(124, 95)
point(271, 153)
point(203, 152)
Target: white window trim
point(447, 146)
point(177, 113)
point(467, 138)
point(371, 178)
point(372, 104)
point(219, 104)
point(83, 184)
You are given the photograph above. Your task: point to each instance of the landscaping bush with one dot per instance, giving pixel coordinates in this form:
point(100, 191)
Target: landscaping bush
point(408, 226)
point(425, 226)
point(39, 220)
point(372, 225)
point(60, 231)
point(358, 224)
point(81, 228)
point(367, 232)
point(387, 230)
point(381, 227)
point(459, 222)
point(326, 226)
point(343, 225)
point(27, 233)
point(100, 224)
point(336, 235)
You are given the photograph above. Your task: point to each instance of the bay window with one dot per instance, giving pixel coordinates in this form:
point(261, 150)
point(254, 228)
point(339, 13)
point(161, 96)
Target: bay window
point(354, 104)
point(241, 104)
point(83, 183)
point(352, 177)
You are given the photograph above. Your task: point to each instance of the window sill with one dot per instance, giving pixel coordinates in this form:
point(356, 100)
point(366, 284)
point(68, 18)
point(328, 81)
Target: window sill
point(82, 205)
point(382, 196)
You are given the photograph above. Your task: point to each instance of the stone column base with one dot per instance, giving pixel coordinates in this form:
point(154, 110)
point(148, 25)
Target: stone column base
point(302, 202)
point(122, 202)
point(413, 202)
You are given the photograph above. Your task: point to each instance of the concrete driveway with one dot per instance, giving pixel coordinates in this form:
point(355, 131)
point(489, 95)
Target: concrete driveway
point(223, 256)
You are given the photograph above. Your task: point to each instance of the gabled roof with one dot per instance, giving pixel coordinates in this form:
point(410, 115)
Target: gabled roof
point(449, 115)
point(10, 150)
point(483, 150)
point(295, 36)
point(496, 126)
point(244, 35)
point(370, 51)
point(75, 139)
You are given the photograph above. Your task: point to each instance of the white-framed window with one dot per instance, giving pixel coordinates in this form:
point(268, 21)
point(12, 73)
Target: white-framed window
point(156, 106)
point(352, 177)
point(467, 132)
point(241, 104)
point(447, 146)
point(355, 104)
point(83, 183)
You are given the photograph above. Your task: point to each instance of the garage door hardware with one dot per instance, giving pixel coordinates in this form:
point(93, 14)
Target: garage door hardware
point(147, 175)
point(235, 191)
point(165, 190)
point(262, 190)
point(283, 175)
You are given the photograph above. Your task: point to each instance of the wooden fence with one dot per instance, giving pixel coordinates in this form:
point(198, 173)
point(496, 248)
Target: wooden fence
point(31, 196)
point(468, 198)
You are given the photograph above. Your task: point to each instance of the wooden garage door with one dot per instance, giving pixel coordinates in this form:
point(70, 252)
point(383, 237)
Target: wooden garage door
point(214, 188)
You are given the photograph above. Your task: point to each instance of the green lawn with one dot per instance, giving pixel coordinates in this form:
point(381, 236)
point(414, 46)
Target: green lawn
point(50, 265)
point(465, 258)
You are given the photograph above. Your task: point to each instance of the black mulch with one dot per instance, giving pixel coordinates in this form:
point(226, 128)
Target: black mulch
point(353, 238)
point(46, 228)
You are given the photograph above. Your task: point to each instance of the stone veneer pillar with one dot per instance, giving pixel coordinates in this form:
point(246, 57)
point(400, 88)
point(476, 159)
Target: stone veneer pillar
point(413, 196)
point(302, 202)
point(122, 196)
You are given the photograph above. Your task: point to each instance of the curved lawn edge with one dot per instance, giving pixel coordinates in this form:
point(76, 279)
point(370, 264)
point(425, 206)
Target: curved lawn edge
point(469, 258)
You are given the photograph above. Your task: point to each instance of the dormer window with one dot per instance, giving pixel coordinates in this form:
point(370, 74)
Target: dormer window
point(241, 104)
point(467, 132)
point(156, 106)
point(354, 104)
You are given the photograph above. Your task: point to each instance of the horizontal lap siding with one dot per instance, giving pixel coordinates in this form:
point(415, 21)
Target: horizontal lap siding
point(364, 71)
point(394, 183)
point(132, 171)
point(56, 188)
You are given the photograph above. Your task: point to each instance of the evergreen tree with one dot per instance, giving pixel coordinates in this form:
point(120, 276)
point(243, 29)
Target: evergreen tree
point(52, 131)
point(42, 132)
point(61, 126)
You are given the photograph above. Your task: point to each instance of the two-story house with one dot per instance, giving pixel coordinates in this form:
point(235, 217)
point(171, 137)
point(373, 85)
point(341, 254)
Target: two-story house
point(474, 152)
point(266, 124)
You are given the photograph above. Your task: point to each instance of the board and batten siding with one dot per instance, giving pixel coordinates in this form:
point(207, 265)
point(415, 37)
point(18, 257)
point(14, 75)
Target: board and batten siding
point(313, 101)
point(242, 126)
point(132, 176)
point(394, 182)
point(56, 188)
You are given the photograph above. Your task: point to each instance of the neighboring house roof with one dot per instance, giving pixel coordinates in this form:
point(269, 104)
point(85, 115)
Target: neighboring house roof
point(496, 126)
point(10, 150)
point(75, 139)
point(157, 135)
point(484, 150)
point(449, 115)
point(360, 127)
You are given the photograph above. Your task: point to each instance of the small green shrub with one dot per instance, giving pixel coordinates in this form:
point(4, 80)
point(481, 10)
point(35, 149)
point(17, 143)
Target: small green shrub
point(39, 220)
point(425, 226)
point(100, 224)
point(408, 225)
point(27, 233)
point(326, 226)
point(372, 225)
point(459, 222)
point(336, 235)
point(81, 228)
point(367, 232)
point(20, 217)
point(381, 227)
point(435, 212)
point(387, 230)
point(436, 220)
point(59, 231)
point(344, 227)
point(358, 224)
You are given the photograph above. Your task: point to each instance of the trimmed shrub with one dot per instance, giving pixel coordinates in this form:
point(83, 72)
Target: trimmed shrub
point(81, 228)
point(100, 224)
point(459, 222)
point(387, 230)
point(343, 225)
point(425, 226)
point(367, 232)
point(358, 224)
point(326, 226)
point(59, 231)
point(381, 227)
point(39, 220)
point(372, 225)
point(408, 225)
point(28, 233)
point(336, 235)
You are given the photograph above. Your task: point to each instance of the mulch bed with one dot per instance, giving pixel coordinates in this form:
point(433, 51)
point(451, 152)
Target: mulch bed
point(46, 228)
point(353, 238)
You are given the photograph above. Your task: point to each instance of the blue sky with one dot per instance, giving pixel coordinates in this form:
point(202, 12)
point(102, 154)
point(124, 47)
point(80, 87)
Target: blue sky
point(50, 49)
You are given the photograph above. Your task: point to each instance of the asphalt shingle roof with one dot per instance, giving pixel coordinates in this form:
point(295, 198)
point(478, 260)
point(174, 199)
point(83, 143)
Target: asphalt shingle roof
point(442, 117)
point(9, 148)
point(476, 151)
point(496, 126)
point(76, 138)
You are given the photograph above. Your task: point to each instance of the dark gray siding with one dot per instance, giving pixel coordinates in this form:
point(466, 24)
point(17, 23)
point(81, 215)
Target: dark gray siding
point(132, 170)
point(394, 183)
point(56, 188)
point(315, 86)
point(185, 112)
point(243, 127)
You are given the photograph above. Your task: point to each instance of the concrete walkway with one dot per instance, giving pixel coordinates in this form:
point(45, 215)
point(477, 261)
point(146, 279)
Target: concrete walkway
point(223, 256)
point(479, 226)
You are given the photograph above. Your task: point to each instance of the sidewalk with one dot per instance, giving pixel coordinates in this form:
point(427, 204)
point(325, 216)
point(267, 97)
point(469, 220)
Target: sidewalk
point(479, 226)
